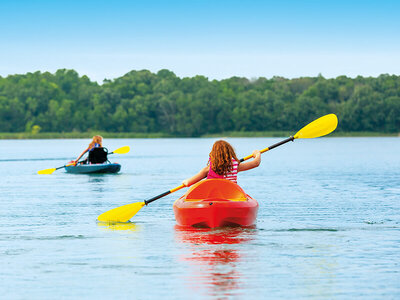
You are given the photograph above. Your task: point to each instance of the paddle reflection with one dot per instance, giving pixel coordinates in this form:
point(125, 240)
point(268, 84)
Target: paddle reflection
point(118, 226)
point(214, 256)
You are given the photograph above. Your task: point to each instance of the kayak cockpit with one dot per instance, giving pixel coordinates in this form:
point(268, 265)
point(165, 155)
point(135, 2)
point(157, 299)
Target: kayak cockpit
point(216, 189)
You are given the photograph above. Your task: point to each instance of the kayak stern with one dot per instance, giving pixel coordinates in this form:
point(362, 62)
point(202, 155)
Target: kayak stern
point(94, 168)
point(216, 212)
point(215, 203)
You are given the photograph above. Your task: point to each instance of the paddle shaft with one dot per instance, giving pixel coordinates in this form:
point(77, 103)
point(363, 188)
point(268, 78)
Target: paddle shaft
point(243, 159)
point(289, 139)
point(164, 194)
point(64, 166)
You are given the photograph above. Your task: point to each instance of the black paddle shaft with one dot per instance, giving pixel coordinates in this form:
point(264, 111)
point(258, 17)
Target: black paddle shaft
point(157, 197)
point(61, 167)
point(289, 139)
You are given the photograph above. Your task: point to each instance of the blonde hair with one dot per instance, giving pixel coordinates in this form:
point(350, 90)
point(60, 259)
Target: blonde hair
point(97, 139)
point(221, 157)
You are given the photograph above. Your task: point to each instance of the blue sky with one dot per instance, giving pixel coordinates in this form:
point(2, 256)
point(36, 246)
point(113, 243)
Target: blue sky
point(217, 39)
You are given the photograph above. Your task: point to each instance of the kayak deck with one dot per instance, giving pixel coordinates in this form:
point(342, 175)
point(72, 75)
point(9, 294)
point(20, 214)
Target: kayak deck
point(215, 203)
point(94, 168)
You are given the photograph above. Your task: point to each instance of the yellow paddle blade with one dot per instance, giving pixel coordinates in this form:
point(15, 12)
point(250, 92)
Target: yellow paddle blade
point(47, 171)
point(122, 213)
point(122, 150)
point(320, 127)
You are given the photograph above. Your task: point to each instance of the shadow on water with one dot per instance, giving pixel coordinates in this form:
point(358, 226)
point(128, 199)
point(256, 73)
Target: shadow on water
point(97, 183)
point(213, 257)
point(96, 177)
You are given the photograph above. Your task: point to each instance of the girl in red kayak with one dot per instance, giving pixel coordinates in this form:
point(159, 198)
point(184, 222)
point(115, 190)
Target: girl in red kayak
point(96, 142)
point(223, 163)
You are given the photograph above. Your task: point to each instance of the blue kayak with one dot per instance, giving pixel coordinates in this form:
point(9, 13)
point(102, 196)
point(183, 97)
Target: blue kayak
point(94, 168)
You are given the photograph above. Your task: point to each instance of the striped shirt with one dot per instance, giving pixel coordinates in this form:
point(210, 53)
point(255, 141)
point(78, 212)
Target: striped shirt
point(231, 175)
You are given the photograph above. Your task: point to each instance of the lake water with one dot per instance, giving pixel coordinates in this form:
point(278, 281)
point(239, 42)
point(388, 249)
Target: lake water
point(328, 225)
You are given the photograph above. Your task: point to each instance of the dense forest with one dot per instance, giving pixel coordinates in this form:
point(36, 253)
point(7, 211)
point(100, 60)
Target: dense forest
point(146, 102)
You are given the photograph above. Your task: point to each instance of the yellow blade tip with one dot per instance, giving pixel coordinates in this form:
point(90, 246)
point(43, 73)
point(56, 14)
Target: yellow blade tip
point(319, 127)
point(123, 150)
point(121, 214)
point(46, 172)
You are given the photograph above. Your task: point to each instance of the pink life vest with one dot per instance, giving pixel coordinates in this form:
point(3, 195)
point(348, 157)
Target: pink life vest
point(231, 175)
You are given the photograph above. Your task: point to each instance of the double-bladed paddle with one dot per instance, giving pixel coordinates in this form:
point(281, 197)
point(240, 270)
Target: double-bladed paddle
point(121, 150)
point(317, 128)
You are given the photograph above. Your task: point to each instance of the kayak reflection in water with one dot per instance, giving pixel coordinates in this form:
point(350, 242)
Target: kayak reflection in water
point(214, 258)
point(97, 142)
point(223, 163)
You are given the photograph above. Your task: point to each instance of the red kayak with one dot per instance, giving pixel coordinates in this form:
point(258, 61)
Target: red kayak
point(215, 203)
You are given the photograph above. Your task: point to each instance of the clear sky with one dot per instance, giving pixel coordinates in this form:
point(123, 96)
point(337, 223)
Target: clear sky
point(217, 39)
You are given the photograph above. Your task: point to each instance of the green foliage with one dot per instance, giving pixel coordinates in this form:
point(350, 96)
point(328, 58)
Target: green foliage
point(35, 129)
point(141, 102)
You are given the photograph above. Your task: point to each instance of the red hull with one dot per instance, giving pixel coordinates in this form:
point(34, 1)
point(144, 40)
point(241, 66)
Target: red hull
point(215, 203)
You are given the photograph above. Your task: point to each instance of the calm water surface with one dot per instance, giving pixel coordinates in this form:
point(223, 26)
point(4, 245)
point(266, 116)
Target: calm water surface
point(328, 225)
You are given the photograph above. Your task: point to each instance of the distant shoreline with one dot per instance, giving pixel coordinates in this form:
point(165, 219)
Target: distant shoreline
point(127, 135)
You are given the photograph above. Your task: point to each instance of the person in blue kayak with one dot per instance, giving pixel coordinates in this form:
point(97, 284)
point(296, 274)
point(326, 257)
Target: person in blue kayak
point(97, 142)
point(223, 163)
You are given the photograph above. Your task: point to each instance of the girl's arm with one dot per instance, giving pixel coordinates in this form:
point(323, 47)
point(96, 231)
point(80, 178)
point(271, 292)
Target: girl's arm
point(244, 166)
point(79, 157)
point(199, 176)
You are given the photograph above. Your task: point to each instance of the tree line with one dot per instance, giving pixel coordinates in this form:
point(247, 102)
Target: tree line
point(146, 102)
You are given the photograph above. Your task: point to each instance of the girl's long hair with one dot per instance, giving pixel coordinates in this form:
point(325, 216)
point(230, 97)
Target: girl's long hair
point(97, 139)
point(221, 156)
